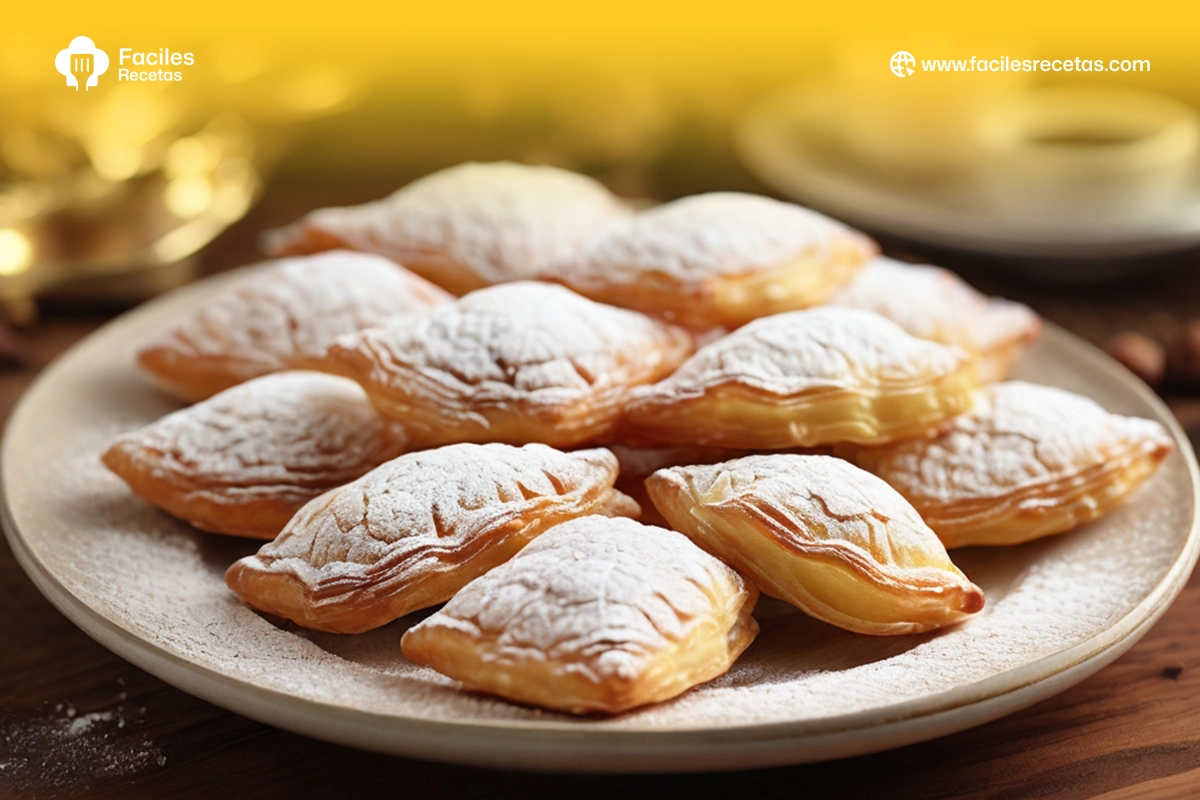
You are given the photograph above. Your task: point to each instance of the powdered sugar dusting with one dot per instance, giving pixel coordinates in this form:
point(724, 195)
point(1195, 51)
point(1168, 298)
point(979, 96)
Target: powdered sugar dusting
point(422, 508)
point(1018, 435)
point(604, 596)
point(525, 340)
point(47, 751)
point(934, 303)
point(294, 310)
point(504, 221)
point(287, 436)
point(820, 499)
point(704, 236)
point(814, 349)
point(83, 724)
point(162, 582)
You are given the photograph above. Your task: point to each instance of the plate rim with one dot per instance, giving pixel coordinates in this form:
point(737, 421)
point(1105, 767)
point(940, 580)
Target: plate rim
point(759, 141)
point(574, 745)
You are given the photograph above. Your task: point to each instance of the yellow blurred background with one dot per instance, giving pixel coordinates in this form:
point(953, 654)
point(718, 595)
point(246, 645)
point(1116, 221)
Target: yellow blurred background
point(342, 102)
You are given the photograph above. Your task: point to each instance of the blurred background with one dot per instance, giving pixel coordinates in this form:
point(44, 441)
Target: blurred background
point(1076, 192)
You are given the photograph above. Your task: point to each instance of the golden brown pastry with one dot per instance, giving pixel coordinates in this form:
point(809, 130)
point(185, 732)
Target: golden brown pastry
point(636, 464)
point(1028, 461)
point(520, 362)
point(827, 537)
point(266, 322)
point(804, 379)
point(468, 226)
point(243, 462)
point(933, 303)
point(719, 259)
point(597, 615)
point(417, 529)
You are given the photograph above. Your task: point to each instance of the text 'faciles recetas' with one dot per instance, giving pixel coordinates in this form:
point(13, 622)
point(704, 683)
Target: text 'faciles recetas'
point(130, 60)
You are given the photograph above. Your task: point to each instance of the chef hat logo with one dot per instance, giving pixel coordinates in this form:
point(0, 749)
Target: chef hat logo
point(81, 59)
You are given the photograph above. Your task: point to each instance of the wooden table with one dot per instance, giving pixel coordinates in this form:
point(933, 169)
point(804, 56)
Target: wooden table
point(76, 720)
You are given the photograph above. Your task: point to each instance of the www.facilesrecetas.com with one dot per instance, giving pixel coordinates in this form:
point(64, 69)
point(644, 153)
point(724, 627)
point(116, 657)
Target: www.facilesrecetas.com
point(1007, 64)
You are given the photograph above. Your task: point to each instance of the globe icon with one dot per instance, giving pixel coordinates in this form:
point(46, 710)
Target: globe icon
point(902, 64)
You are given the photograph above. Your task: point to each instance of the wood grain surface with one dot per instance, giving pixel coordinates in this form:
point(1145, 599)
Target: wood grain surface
point(77, 721)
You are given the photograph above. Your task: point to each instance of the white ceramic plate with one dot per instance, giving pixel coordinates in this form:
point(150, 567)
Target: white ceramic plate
point(150, 588)
point(793, 142)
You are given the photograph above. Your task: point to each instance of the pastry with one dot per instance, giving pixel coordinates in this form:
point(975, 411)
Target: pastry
point(804, 379)
point(832, 540)
point(244, 461)
point(291, 310)
point(1028, 461)
point(416, 530)
point(597, 615)
point(520, 362)
point(468, 226)
point(933, 303)
point(636, 464)
point(718, 259)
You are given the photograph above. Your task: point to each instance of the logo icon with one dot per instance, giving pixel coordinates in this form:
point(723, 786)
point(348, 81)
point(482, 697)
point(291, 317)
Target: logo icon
point(902, 64)
point(81, 63)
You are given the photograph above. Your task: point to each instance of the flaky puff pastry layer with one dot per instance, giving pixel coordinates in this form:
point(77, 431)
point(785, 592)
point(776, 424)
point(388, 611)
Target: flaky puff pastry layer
point(244, 461)
point(596, 616)
point(520, 362)
point(466, 227)
point(416, 530)
point(637, 464)
point(1028, 461)
point(933, 303)
point(804, 379)
point(832, 540)
point(269, 321)
point(719, 259)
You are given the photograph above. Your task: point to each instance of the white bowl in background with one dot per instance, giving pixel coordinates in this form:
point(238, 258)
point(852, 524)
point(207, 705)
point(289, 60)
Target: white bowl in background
point(795, 141)
point(1077, 156)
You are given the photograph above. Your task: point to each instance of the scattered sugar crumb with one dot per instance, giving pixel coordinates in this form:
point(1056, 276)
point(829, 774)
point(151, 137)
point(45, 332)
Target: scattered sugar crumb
point(83, 724)
point(46, 752)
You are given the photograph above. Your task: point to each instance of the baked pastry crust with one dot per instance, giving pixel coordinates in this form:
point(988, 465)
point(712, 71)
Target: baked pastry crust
point(244, 461)
point(934, 303)
point(597, 615)
point(827, 537)
point(719, 259)
point(468, 226)
point(293, 310)
point(416, 530)
point(636, 464)
point(1028, 461)
point(804, 379)
point(520, 362)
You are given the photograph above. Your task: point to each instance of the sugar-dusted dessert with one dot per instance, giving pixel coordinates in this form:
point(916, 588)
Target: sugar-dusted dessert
point(804, 379)
point(934, 303)
point(597, 615)
point(636, 464)
point(832, 540)
point(244, 461)
point(416, 530)
point(292, 310)
point(519, 362)
point(1027, 461)
point(719, 259)
point(468, 226)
